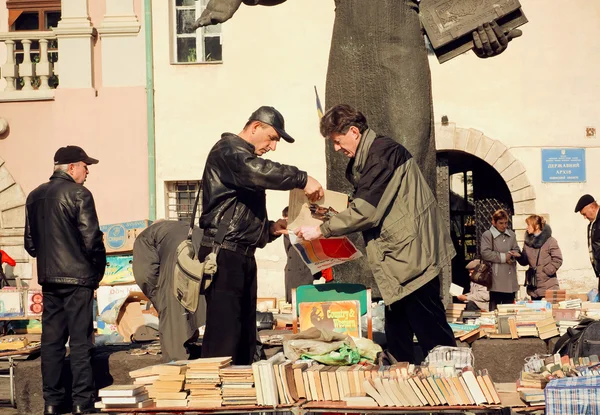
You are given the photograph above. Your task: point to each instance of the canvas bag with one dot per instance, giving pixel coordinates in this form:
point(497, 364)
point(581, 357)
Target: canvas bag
point(192, 277)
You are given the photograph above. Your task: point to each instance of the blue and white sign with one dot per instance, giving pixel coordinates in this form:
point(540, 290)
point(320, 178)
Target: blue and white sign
point(563, 165)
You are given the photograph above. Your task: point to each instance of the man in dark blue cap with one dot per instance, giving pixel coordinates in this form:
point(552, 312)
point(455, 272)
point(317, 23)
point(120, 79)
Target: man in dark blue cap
point(62, 232)
point(233, 195)
point(588, 207)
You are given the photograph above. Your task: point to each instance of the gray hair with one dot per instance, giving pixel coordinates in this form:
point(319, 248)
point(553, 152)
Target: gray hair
point(61, 167)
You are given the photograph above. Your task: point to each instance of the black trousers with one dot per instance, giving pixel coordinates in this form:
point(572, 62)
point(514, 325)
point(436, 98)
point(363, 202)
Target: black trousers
point(422, 314)
point(231, 308)
point(497, 297)
point(67, 315)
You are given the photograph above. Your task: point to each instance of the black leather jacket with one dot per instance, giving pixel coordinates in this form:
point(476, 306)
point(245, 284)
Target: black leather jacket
point(234, 173)
point(62, 232)
point(595, 242)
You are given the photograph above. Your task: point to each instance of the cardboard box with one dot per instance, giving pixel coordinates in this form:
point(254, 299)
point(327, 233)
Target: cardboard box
point(119, 270)
point(119, 237)
point(11, 303)
point(106, 295)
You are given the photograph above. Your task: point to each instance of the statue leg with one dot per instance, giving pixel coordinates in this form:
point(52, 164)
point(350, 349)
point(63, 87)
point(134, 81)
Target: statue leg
point(378, 64)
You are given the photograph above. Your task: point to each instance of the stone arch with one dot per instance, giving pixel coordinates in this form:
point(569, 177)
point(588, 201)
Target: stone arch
point(12, 222)
point(497, 155)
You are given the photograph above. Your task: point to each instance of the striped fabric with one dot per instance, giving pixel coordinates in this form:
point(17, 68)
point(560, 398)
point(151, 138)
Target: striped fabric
point(573, 396)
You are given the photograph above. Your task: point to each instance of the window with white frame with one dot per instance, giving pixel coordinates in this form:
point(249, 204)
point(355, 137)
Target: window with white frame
point(180, 197)
point(203, 45)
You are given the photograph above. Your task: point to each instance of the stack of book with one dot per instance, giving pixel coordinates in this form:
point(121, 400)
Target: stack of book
point(527, 319)
point(237, 385)
point(556, 296)
point(454, 312)
point(487, 321)
point(123, 396)
point(547, 328)
point(143, 376)
point(591, 310)
point(570, 304)
point(422, 388)
point(204, 383)
point(167, 391)
point(563, 325)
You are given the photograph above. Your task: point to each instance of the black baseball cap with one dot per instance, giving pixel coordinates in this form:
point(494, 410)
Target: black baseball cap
point(583, 202)
point(72, 154)
point(271, 116)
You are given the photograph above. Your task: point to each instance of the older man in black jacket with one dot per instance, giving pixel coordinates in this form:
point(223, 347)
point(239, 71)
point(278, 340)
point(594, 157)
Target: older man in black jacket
point(62, 232)
point(588, 208)
point(234, 181)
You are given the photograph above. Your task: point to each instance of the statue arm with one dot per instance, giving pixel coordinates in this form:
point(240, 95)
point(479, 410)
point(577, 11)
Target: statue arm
point(219, 11)
point(490, 40)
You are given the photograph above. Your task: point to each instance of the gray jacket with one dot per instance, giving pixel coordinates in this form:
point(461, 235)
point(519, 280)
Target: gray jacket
point(154, 258)
point(406, 236)
point(504, 275)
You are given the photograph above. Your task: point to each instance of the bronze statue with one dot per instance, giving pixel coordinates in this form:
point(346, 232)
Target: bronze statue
point(378, 64)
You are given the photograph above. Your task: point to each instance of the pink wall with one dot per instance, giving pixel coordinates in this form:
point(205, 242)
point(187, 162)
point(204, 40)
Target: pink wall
point(110, 127)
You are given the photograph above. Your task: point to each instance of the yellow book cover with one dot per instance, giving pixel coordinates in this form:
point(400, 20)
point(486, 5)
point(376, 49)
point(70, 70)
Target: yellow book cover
point(338, 316)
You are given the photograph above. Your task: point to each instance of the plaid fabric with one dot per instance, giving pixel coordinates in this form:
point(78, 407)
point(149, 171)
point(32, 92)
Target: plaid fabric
point(573, 396)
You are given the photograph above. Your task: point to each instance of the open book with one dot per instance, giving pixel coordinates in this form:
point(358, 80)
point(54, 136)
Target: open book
point(324, 252)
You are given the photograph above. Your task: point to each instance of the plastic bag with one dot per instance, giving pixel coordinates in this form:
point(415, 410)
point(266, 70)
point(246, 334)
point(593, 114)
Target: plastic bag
point(111, 311)
point(345, 355)
point(367, 348)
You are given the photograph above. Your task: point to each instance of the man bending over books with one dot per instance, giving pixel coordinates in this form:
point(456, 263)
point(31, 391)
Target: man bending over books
point(406, 237)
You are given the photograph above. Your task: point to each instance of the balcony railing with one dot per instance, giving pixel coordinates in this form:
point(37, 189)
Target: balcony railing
point(30, 70)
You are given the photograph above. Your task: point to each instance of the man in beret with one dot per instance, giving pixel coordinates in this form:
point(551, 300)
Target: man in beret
point(62, 232)
point(588, 207)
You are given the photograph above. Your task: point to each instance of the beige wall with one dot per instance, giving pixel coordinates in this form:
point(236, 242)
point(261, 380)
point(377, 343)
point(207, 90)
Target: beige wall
point(542, 92)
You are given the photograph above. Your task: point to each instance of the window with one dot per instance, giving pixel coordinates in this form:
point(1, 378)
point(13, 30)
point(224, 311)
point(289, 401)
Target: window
point(203, 45)
point(33, 14)
point(180, 198)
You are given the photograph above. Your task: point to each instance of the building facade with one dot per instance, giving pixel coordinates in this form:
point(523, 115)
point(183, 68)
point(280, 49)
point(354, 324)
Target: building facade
point(72, 72)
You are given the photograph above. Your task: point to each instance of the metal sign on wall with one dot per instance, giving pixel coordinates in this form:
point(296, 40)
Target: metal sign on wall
point(563, 165)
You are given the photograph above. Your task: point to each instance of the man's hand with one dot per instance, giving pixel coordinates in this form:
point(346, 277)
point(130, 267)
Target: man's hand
point(462, 297)
point(309, 233)
point(490, 40)
point(509, 258)
point(313, 189)
point(279, 227)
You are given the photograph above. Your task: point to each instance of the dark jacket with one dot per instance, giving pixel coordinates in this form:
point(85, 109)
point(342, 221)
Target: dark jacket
point(62, 232)
point(594, 241)
point(407, 240)
point(550, 260)
point(154, 259)
point(234, 174)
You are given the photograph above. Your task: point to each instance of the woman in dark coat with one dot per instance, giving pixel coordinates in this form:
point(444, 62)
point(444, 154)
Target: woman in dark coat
point(543, 254)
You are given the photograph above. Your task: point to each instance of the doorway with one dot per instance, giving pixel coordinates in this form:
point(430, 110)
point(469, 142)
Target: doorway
point(476, 191)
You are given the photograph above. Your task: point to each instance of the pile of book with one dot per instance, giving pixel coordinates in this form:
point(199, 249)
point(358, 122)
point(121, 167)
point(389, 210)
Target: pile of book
point(591, 310)
point(454, 312)
point(237, 385)
point(538, 372)
point(418, 386)
point(167, 390)
point(556, 296)
point(280, 381)
point(547, 328)
point(570, 304)
point(123, 396)
point(203, 381)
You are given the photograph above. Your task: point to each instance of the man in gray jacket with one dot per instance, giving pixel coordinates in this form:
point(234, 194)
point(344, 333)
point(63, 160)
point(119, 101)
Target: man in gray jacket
point(406, 237)
point(154, 259)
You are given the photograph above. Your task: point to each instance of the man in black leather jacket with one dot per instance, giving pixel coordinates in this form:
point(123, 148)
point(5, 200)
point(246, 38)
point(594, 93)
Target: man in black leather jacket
point(588, 208)
point(235, 177)
point(62, 232)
